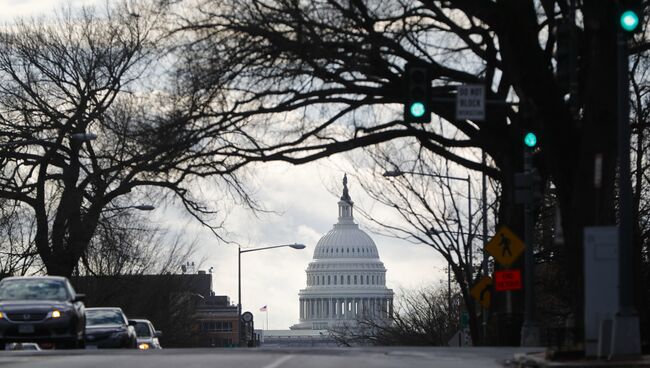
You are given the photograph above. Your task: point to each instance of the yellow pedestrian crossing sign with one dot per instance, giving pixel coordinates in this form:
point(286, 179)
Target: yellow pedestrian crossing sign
point(481, 291)
point(505, 246)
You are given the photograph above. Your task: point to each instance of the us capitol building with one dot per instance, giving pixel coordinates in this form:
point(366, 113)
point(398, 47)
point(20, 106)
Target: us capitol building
point(346, 281)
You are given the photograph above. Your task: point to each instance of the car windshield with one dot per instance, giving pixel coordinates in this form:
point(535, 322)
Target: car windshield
point(103, 317)
point(142, 329)
point(33, 289)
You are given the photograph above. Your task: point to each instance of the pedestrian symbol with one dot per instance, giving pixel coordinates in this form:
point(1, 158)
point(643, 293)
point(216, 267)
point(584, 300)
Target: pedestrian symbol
point(481, 291)
point(505, 246)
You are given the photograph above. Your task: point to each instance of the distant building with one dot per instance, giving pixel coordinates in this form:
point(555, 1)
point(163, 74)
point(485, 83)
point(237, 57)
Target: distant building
point(346, 281)
point(215, 322)
point(184, 306)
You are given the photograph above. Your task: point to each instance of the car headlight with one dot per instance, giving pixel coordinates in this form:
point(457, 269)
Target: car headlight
point(56, 314)
point(2, 315)
point(143, 346)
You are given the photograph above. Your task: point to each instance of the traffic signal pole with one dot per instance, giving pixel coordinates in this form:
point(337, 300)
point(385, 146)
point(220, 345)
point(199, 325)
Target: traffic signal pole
point(530, 335)
point(626, 338)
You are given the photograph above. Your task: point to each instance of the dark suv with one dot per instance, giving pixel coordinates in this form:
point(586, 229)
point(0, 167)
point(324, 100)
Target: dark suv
point(41, 309)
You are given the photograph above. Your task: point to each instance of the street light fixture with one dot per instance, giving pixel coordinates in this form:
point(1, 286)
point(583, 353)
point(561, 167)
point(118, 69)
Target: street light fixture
point(140, 207)
point(240, 251)
point(83, 137)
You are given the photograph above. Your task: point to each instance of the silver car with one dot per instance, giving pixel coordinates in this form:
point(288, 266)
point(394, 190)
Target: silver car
point(146, 334)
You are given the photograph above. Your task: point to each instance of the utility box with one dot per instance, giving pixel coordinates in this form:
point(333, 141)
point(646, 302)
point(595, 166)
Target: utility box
point(601, 287)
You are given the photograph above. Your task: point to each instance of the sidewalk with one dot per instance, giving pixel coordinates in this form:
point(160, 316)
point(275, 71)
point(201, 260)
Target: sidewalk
point(540, 359)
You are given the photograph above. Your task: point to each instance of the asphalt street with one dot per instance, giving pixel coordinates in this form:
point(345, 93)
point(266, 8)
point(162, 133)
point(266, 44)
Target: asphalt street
point(266, 358)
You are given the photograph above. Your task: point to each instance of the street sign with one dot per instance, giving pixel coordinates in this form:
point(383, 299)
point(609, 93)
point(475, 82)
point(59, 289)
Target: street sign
point(470, 102)
point(481, 291)
point(507, 280)
point(464, 319)
point(505, 246)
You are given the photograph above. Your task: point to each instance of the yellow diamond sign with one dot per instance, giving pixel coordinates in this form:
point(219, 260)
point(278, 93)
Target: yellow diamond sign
point(481, 291)
point(505, 246)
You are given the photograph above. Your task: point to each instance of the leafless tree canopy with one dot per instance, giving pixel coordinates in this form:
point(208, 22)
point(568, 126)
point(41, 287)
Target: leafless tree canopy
point(421, 318)
point(109, 74)
point(313, 78)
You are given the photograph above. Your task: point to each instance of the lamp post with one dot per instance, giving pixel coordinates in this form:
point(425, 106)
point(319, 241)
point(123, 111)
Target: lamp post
point(240, 251)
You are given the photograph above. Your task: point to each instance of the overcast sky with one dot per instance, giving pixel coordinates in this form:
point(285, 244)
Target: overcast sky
point(301, 194)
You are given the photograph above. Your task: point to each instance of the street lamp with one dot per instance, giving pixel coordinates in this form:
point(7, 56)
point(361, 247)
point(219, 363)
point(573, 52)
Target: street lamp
point(294, 246)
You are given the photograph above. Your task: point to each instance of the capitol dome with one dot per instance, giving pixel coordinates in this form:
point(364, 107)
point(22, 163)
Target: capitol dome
point(346, 280)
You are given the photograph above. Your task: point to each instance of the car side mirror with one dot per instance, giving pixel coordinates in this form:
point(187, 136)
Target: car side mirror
point(158, 333)
point(132, 323)
point(79, 298)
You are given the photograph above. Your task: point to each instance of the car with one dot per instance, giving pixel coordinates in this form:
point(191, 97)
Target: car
point(23, 346)
point(41, 309)
point(109, 328)
point(147, 335)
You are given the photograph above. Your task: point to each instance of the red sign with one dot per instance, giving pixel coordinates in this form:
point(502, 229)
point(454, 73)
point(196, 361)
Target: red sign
point(507, 280)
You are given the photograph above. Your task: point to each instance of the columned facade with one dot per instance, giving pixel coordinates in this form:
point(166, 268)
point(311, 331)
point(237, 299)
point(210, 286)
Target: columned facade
point(346, 281)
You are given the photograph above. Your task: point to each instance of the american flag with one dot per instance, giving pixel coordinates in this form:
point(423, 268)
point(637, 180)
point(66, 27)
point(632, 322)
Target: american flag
point(263, 309)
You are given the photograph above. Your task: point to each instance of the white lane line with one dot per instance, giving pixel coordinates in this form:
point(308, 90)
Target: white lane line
point(278, 362)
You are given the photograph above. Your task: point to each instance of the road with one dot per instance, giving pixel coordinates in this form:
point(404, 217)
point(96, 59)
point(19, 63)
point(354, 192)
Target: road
point(266, 358)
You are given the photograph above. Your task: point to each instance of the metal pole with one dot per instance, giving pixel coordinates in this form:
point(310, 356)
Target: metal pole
point(469, 230)
point(626, 340)
point(530, 329)
point(239, 324)
point(449, 287)
point(485, 226)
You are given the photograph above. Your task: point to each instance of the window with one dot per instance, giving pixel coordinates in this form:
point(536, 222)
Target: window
point(355, 279)
point(367, 278)
point(334, 279)
point(361, 280)
point(373, 279)
point(341, 279)
point(349, 280)
point(216, 326)
point(328, 279)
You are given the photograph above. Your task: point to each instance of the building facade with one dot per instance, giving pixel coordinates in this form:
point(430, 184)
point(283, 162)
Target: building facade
point(346, 280)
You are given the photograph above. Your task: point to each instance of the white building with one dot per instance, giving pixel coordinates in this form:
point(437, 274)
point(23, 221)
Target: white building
point(346, 281)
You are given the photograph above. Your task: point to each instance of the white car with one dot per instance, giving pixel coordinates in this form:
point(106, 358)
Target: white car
point(147, 336)
point(23, 346)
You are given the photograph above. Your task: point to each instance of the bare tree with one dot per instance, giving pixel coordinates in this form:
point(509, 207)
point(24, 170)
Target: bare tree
point(108, 74)
point(322, 77)
point(432, 209)
point(421, 317)
point(18, 254)
point(125, 243)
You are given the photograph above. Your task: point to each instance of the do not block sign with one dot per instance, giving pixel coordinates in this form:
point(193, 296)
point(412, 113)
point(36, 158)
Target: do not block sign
point(507, 280)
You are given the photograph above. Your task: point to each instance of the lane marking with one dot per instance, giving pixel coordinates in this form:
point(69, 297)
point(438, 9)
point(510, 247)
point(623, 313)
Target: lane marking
point(278, 362)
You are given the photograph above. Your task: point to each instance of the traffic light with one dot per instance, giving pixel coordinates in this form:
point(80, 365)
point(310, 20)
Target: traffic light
point(417, 96)
point(530, 140)
point(630, 15)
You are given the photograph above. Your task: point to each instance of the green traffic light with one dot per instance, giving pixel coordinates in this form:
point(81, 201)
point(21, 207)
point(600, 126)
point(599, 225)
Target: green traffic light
point(417, 109)
point(530, 140)
point(629, 20)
